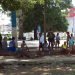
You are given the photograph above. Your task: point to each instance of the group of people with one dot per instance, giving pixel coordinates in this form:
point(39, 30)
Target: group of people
point(69, 44)
point(11, 46)
point(54, 41)
point(4, 45)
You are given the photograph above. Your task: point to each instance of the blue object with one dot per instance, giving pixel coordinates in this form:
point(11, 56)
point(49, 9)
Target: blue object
point(12, 49)
point(13, 18)
point(39, 28)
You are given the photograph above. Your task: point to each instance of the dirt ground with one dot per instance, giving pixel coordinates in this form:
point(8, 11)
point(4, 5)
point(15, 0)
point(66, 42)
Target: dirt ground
point(41, 69)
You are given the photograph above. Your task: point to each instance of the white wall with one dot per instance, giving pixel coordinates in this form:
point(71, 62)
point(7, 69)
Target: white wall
point(71, 21)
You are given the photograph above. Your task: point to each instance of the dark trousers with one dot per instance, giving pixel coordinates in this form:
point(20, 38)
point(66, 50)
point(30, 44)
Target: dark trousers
point(0, 45)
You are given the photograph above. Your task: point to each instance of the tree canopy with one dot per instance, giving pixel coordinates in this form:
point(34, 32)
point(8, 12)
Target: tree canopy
point(54, 16)
point(10, 4)
point(33, 12)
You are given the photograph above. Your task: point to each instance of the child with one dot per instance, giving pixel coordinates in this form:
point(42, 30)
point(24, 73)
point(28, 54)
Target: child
point(24, 46)
point(24, 50)
point(64, 47)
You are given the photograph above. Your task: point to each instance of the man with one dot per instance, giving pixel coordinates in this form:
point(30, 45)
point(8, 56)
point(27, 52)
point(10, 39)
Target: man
point(0, 41)
point(51, 40)
point(12, 45)
point(41, 41)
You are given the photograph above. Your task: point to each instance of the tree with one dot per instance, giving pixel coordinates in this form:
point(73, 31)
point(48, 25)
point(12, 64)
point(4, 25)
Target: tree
point(32, 13)
point(34, 18)
point(10, 4)
point(54, 16)
point(26, 7)
point(53, 12)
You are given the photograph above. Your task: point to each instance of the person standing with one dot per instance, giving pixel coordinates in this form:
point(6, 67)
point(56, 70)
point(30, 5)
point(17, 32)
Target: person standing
point(68, 37)
point(71, 44)
point(0, 41)
point(57, 40)
point(41, 41)
point(72, 37)
point(51, 40)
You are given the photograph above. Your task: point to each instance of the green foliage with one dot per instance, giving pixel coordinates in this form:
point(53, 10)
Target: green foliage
point(33, 17)
point(65, 4)
point(33, 12)
point(10, 4)
point(54, 17)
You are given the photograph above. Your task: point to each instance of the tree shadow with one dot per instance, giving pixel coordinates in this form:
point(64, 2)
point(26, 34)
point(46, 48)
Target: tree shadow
point(42, 69)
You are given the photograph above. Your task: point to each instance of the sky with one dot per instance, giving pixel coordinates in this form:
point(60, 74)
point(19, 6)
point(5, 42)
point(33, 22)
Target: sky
point(4, 19)
point(73, 2)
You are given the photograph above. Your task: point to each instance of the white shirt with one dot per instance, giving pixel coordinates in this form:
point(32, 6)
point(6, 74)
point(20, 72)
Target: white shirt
point(41, 39)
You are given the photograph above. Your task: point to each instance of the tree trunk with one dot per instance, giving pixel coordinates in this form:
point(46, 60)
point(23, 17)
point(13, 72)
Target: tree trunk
point(35, 29)
point(35, 33)
point(21, 20)
point(20, 31)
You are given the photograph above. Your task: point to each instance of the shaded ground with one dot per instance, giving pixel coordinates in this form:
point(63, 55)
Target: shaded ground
point(48, 65)
point(44, 65)
point(34, 53)
point(43, 69)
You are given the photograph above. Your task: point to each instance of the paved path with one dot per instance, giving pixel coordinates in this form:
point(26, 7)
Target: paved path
point(47, 65)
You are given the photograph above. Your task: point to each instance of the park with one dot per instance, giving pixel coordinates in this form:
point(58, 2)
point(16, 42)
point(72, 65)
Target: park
point(41, 39)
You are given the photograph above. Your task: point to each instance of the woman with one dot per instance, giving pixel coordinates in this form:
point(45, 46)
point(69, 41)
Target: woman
point(4, 43)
